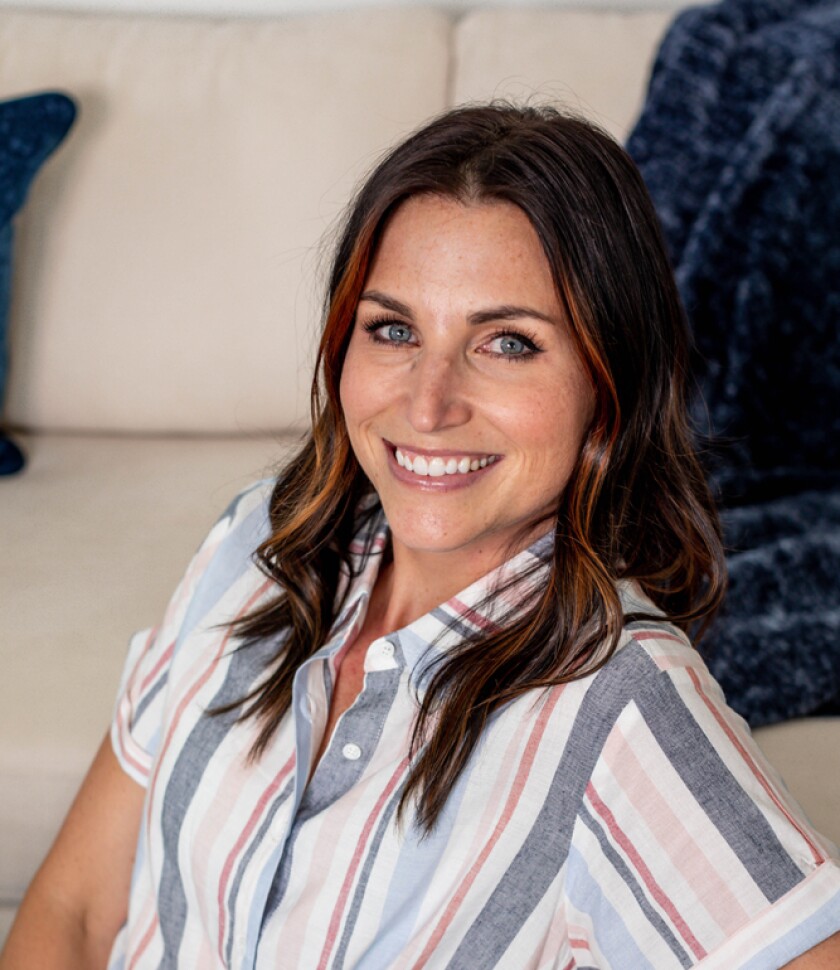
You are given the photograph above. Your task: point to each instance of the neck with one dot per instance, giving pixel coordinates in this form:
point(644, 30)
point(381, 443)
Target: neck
point(411, 583)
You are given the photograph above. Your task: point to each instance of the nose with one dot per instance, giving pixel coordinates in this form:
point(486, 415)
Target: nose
point(436, 394)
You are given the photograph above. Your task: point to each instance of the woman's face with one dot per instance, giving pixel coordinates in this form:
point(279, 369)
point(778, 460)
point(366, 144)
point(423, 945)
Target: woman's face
point(465, 400)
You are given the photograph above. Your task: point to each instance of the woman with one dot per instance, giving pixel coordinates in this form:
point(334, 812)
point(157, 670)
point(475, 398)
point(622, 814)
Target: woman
point(448, 716)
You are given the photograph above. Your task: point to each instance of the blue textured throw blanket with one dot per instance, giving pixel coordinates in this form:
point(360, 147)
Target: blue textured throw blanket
point(739, 144)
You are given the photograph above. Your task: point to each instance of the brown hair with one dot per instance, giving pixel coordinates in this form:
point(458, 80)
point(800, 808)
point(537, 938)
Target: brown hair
point(636, 506)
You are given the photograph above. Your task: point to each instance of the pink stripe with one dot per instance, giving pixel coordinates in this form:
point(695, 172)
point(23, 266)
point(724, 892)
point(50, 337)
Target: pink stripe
point(464, 612)
point(123, 721)
point(122, 731)
point(244, 835)
point(196, 687)
point(142, 655)
point(518, 786)
point(358, 546)
point(144, 942)
point(644, 794)
point(750, 762)
point(164, 659)
point(641, 635)
point(644, 872)
point(335, 921)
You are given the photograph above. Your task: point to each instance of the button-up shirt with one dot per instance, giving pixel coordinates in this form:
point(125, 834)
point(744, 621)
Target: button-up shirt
point(624, 820)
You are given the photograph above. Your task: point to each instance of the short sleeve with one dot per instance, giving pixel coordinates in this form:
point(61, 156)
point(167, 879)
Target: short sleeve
point(141, 698)
point(688, 850)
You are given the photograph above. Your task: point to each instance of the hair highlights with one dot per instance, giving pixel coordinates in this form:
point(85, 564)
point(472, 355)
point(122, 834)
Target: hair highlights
point(636, 507)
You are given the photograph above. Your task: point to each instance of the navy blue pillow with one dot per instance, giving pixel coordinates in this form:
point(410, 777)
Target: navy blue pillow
point(30, 129)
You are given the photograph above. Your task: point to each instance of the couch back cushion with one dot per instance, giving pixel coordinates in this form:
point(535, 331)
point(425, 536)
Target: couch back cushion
point(167, 275)
point(167, 269)
point(596, 63)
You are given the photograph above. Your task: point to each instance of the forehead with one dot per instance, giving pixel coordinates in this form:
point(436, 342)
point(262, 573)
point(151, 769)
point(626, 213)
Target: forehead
point(439, 242)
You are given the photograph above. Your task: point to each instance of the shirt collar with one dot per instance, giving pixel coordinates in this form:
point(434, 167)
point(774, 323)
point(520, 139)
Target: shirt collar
point(469, 611)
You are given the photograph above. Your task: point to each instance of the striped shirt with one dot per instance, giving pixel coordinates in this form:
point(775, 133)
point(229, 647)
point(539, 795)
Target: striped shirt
point(624, 820)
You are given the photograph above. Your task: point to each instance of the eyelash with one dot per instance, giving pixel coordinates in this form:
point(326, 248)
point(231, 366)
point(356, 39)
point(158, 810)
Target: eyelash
point(376, 323)
point(528, 339)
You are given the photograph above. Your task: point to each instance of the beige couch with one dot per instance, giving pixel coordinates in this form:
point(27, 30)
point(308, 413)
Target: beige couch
point(166, 296)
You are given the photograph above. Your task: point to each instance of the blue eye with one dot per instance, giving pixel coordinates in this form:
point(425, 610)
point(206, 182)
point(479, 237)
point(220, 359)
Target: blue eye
point(512, 346)
point(391, 333)
point(399, 333)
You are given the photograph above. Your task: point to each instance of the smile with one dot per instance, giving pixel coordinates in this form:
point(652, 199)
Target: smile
point(436, 466)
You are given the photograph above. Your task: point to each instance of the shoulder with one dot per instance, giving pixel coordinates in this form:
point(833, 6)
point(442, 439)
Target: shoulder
point(683, 832)
point(246, 520)
point(655, 668)
point(222, 573)
point(220, 581)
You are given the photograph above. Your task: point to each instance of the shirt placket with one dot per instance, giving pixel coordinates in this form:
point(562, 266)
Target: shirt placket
point(353, 744)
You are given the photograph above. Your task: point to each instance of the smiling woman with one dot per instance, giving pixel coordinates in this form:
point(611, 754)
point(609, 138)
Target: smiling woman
point(477, 368)
point(447, 714)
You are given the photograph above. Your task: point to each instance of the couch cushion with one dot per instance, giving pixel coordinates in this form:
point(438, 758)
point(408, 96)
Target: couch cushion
point(96, 535)
point(167, 278)
point(596, 63)
point(804, 752)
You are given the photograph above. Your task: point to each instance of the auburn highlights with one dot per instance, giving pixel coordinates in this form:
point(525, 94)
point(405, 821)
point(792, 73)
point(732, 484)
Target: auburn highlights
point(636, 506)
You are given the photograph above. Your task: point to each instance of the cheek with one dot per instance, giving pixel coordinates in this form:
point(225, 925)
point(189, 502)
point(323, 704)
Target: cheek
point(360, 398)
point(350, 387)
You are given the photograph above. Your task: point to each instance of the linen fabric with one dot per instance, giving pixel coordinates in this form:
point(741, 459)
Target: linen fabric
point(180, 287)
point(625, 819)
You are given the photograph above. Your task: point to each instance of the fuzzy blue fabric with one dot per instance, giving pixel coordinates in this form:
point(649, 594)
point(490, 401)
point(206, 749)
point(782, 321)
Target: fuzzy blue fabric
point(739, 144)
point(30, 129)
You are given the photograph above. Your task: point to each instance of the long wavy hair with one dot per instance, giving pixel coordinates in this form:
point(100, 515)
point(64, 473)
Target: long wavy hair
point(636, 506)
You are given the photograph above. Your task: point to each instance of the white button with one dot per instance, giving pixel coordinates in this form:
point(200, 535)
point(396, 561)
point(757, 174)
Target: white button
point(352, 752)
point(388, 648)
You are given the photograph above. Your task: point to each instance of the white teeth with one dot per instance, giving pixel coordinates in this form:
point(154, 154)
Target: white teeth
point(437, 467)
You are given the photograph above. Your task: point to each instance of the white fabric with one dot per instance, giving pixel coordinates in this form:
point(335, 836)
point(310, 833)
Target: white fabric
point(596, 65)
point(623, 819)
point(166, 267)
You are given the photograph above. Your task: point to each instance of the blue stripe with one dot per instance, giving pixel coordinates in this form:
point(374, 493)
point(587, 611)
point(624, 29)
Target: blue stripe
point(639, 894)
point(800, 939)
point(729, 807)
point(610, 931)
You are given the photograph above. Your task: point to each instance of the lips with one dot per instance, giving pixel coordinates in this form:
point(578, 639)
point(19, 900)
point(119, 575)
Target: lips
point(439, 466)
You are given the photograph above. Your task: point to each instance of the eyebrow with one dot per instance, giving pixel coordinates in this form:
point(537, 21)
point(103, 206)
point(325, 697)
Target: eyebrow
point(387, 303)
point(506, 311)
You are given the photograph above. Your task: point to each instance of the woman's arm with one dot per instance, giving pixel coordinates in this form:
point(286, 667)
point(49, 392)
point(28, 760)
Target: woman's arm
point(78, 899)
point(826, 956)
